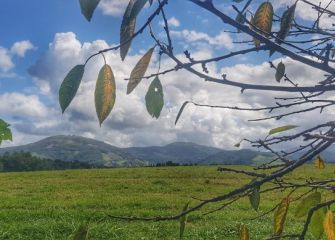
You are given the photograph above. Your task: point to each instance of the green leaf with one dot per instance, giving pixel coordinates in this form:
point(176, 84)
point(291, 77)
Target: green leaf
point(88, 7)
point(128, 25)
point(280, 216)
point(127, 30)
point(5, 132)
point(154, 99)
point(105, 93)
point(138, 72)
point(70, 85)
point(255, 198)
point(281, 129)
point(280, 72)
point(181, 111)
point(316, 225)
point(286, 23)
point(183, 221)
point(307, 203)
point(263, 18)
point(82, 233)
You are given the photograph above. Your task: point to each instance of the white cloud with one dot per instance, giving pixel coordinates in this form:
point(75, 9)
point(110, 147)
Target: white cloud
point(113, 7)
point(20, 48)
point(195, 38)
point(172, 22)
point(6, 62)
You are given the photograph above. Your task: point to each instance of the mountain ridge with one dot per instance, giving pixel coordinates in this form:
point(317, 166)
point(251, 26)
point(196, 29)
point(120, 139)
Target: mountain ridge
point(77, 148)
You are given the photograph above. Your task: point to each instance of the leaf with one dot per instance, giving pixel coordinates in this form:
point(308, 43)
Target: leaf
point(70, 85)
point(82, 233)
point(183, 221)
point(5, 132)
point(286, 23)
point(254, 198)
point(263, 18)
point(280, 72)
point(138, 72)
point(316, 225)
point(257, 42)
point(307, 203)
point(127, 30)
point(282, 129)
point(181, 111)
point(240, 18)
point(137, 7)
point(280, 217)
point(244, 233)
point(154, 99)
point(88, 7)
point(105, 93)
point(320, 163)
point(151, 1)
point(328, 225)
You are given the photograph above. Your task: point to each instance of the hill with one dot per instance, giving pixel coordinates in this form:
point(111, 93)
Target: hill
point(74, 148)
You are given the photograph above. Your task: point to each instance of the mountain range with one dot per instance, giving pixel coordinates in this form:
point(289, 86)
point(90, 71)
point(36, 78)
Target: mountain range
point(97, 153)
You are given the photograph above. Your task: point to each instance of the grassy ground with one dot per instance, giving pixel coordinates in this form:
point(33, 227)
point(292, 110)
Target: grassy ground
point(51, 205)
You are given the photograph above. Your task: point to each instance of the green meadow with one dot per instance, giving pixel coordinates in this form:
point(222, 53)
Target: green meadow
point(52, 205)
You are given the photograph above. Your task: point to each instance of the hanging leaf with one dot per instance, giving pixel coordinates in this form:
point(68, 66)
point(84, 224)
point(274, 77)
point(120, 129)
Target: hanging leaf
point(319, 163)
point(70, 85)
point(257, 42)
point(183, 221)
point(181, 111)
point(139, 71)
point(137, 7)
point(127, 30)
point(286, 23)
point(328, 225)
point(263, 18)
point(88, 7)
point(154, 99)
point(316, 225)
point(254, 198)
point(82, 233)
point(104, 93)
point(244, 233)
point(5, 132)
point(280, 72)
point(307, 203)
point(282, 129)
point(240, 18)
point(280, 217)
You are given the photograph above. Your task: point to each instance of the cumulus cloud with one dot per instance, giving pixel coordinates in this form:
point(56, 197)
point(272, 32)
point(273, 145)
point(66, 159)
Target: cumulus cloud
point(20, 48)
point(197, 39)
point(6, 55)
point(172, 22)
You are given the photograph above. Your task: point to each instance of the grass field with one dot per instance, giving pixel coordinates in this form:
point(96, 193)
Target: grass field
point(51, 205)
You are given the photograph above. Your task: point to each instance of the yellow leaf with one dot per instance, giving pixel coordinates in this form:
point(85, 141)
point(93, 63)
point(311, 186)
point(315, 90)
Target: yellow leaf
point(138, 72)
point(244, 233)
point(319, 163)
point(263, 18)
point(280, 216)
point(105, 93)
point(328, 225)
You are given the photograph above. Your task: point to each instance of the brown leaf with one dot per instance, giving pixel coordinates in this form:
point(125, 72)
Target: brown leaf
point(138, 72)
point(280, 216)
point(328, 225)
point(263, 18)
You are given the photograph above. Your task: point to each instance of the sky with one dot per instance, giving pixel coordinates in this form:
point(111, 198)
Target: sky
point(42, 40)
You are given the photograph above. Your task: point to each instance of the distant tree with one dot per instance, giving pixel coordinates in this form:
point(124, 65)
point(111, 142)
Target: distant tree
point(307, 42)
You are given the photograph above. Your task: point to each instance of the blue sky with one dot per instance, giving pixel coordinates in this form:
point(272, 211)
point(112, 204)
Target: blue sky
point(52, 36)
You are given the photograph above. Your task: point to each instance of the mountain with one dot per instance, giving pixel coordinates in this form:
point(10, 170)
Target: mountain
point(74, 148)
